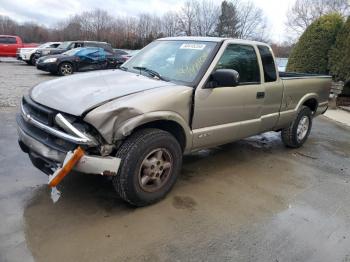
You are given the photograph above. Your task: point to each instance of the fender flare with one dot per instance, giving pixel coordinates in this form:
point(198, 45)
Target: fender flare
point(129, 125)
point(305, 98)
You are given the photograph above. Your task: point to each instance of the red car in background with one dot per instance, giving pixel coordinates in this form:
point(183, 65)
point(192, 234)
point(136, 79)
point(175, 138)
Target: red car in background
point(10, 43)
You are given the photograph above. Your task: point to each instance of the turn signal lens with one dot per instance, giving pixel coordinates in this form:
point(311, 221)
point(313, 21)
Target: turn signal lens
point(66, 168)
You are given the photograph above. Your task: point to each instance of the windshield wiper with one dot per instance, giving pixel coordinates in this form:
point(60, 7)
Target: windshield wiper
point(151, 72)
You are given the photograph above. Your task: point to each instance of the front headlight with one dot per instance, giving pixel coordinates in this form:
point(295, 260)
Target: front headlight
point(50, 60)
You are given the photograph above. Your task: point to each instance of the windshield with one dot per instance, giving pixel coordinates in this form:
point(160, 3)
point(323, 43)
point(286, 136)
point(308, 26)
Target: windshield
point(64, 45)
point(44, 45)
point(72, 51)
point(177, 61)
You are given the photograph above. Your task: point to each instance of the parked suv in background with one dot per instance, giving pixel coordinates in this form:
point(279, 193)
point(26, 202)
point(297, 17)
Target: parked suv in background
point(10, 43)
point(27, 54)
point(68, 45)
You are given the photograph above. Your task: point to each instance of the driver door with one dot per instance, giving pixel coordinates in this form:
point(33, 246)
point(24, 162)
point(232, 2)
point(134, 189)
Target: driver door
point(225, 114)
point(89, 59)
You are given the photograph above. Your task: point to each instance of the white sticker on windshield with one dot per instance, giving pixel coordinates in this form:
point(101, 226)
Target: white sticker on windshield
point(193, 46)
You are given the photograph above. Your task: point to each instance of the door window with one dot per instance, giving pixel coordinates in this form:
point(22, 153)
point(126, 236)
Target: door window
point(8, 40)
point(76, 45)
point(243, 59)
point(95, 55)
point(54, 45)
point(268, 64)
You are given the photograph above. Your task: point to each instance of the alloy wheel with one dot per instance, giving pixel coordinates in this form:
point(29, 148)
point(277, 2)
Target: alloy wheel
point(155, 170)
point(303, 128)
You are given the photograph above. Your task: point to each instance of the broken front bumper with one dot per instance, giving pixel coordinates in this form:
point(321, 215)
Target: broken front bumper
point(48, 147)
point(46, 158)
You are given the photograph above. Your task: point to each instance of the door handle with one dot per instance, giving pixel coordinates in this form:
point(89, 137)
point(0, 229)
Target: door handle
point(260, 95)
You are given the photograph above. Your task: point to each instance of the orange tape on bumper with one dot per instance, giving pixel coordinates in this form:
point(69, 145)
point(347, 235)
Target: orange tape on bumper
point(67, 167)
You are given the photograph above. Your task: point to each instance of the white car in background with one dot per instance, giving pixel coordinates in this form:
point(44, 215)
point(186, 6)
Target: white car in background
point(27, 54)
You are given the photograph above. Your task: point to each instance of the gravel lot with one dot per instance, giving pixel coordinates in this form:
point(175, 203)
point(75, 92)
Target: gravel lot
point(252, 200)
point(16, 78)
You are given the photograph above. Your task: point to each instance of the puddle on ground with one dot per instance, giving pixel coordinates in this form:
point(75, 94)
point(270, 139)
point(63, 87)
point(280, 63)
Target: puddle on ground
point(222, 188)
point(184, 202)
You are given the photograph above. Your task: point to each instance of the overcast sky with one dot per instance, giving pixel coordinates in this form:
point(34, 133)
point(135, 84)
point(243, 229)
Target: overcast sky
point(49, 12)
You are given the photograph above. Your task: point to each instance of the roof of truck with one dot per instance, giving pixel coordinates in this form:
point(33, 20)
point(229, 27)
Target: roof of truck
point(211, 39)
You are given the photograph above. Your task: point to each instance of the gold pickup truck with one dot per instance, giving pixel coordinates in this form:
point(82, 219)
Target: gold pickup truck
point(177, 95)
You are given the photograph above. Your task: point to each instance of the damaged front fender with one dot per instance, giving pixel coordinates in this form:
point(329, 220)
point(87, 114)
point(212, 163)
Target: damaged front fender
point(118, 118)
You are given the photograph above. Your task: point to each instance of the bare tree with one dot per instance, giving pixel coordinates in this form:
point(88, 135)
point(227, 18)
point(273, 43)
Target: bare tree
point(242, 19)
point(186, 17)
point(196, 17)
point(169, 23)
point(7, 25)
point(304, 12)
point(252, 23)
point(282, 50)
point(206, 17)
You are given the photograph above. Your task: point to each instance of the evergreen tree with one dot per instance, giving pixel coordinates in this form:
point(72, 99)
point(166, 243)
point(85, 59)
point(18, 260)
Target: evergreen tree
point(310, 54)
point(228, 21)
point(339, 58)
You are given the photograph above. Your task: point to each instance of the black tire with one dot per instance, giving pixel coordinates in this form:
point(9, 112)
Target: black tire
point(290, 136)
point(133, 153)
point(65, 69)
point(33, 60)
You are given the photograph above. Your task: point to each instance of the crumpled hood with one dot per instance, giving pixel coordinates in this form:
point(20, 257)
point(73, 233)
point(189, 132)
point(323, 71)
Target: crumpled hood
point(81, 92)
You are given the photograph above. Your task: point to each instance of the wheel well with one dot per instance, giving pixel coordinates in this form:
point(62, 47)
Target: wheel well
point(312, 104)
point(170, 126)
point(66, 62)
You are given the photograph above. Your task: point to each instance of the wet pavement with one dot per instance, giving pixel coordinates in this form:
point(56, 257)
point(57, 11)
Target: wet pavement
point(252, 200)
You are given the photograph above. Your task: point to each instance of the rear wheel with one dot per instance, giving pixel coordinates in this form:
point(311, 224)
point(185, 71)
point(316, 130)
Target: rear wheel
point(151, 160)
point(65, 69)
point(296, 134)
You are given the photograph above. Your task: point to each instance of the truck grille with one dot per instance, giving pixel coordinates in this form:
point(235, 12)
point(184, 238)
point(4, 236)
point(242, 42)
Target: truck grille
point(39, 112)
point(45, 116)
point(43, 137)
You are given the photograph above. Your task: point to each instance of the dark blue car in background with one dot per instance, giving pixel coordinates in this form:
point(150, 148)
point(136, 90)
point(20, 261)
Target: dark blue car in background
point(78, 60)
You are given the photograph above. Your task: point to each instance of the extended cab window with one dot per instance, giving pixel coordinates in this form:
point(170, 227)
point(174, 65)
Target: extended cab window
point(243, 59)
point(3, 40)
point(11, 40)
point(268, 64)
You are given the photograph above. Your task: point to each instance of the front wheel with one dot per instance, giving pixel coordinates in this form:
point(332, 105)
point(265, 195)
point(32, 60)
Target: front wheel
point(151, 160)
point(296, 134)
point(65, 69)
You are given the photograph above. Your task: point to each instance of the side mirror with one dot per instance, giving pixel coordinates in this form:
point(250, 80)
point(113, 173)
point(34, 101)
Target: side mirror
point(223, 78)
